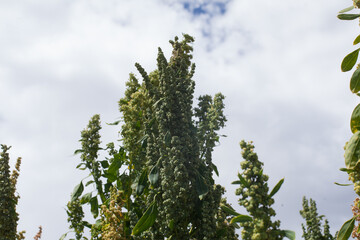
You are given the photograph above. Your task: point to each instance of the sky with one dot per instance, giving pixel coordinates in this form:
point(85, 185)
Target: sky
point(277, 62)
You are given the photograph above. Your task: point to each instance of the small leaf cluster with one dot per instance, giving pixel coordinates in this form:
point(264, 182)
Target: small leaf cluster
point(8, 198)
point(256, 199)
point(352, 147)
point(163, 168)
point(312, 229)
point(106, 173)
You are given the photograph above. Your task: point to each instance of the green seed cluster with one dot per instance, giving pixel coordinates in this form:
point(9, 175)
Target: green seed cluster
point(255, 198)
point(75, 218)
point(8, 199)
point(312, 230)
point(162, 129)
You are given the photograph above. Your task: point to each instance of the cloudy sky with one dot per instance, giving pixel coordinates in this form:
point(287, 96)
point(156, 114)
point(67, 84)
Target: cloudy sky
point(277, 62)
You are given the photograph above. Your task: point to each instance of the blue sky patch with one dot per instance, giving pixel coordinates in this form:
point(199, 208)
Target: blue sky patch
point(210, 8)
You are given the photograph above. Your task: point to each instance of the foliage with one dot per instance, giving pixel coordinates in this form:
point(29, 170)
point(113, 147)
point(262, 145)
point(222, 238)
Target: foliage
point(164, 165)
point(352, 148)
point(8, 198)
point(256, 199)
point(312, 230)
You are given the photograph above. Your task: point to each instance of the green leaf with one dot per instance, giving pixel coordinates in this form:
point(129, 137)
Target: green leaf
point(343, 184)
point(142, 183)
point(147, 219)
point(243, 181)
point(79, 165)
point(63, 236)
point(241, 218)
point(77, 151)
point(236, 225)
point(355, 81)
point(236, 182)
point(78, 190)
point(357, 40)
point(355, 119)
point(143, 141)
point(347, 9)
point(228, 209)
point(107, 186)
point(87, 224)
point(86, 198)
point(344, 16)
point(104, 164)
point(289, 234)
point(352, 151)
point(201, 186)
point(347, 170)
point(115, 166)
point(114, 123)
point(154, 175)
point(97, 225)
point(350, 60)
point(167, 138)
point(276, 188)
point(151, 122)
point(89, 182)
point(214, 167)
point(346, 229)
point(171, 224)
point(94, 206)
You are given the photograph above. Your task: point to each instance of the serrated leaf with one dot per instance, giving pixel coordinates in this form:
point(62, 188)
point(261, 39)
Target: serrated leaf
point(154, 175)
point(146, 220)
point(350, 60)
point(352, 151)
point(289, 234)
point(241, 218)
point(343, 184)
point(276, 188)
point(347, 9)
point(86, 198)
point(78, 190)
point(355, 119)
point(94, 206)
point(345, 16)
point(346, 229)
point(228, 209)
